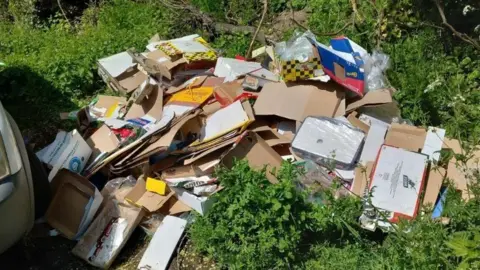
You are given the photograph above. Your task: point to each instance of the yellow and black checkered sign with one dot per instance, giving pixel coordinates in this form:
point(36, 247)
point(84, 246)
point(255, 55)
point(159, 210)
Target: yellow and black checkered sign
point(198, 56)
point(168, 48)
point(295, 70)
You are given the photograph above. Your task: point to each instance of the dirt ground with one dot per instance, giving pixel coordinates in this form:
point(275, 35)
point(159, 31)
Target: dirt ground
point(54, 253)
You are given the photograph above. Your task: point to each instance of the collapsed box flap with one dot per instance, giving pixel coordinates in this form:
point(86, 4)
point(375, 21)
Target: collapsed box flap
point(362, 176)
point(299, 101)
point(353, 119)
point(376, 97)
point(146, 199)
point(68, 206)
point(164, 63)
point(258, 154)
point(221, 145)
point(108, 101)
point(174, 207)
point(153, 106)
point(132, 81)
point(404, 136)
point(192, 83)
point(102, 140)
point(271, 137)
point(434, 184)
point(226, 93)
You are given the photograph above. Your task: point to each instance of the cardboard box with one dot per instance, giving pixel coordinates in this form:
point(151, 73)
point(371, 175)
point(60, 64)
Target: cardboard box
point(151, 107)
point(74, 204)
point(102, 141)
point(460, 173)
point(362, 178)
point(120, 73)
point(298, 101)
point(108, 233)
point(200, 204)
point(163, 243)
point(151, 201)
point(167, 65)
point(408, 137)
point(189, 52)
point(375, 98)
point(231, 119)
point(398, 178)
point(69, 150)
point(343, 63)
point(258, 154)
point(295, 70)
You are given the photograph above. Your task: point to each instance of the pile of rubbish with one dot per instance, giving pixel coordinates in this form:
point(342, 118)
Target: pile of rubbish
point(146, 157)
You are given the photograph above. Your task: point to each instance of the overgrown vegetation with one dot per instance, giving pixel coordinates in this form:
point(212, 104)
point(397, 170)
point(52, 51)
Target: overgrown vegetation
point(255, 225)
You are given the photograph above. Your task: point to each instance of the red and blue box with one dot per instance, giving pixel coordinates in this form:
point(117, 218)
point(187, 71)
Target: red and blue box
point(342, 61)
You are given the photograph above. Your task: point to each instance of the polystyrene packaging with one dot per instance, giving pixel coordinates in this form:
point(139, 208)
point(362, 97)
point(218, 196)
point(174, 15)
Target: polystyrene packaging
point(329, 142)
point(297, 48)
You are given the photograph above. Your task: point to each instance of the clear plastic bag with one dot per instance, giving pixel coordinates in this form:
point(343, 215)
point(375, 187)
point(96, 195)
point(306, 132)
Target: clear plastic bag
point(375, 65)
point(329, 142)
point(316, 179)
point(151, 223)
point(298, 47)
point(119, 187)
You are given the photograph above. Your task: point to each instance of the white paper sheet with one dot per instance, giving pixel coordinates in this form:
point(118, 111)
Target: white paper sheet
point(433, 143)
point(397, 180)
point(224, 120)
point(231, 68)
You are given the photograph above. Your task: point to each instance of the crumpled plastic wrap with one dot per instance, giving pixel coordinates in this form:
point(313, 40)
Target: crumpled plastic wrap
point(297, 48)
point(375, 65)
point(317, 179)
point(151, 223)
point(119, 187)
point(329, 142)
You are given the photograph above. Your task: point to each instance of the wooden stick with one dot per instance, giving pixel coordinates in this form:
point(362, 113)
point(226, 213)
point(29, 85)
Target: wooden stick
point(462, 36)
point(250, 48)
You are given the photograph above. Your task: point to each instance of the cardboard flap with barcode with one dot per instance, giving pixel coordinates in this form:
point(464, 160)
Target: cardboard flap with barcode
point(398, 177)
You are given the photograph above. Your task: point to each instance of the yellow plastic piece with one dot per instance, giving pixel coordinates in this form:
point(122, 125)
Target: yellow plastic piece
point(156, 186)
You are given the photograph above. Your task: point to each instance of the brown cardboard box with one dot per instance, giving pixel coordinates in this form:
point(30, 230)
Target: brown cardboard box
point(257, 152)
point(458, 172)
point(74, 204)
point(153, 106)
point(115, 221)
point(298, 101)
point(371, 99)
point(102, 140)
point(167, 66)
point(405, 136)
point(151, 201)
point(362, 175)
point(353, 119)
point(120, 73)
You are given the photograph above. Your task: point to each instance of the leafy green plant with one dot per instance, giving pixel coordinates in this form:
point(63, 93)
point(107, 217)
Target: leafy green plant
point(254, 224)
point(466, 245)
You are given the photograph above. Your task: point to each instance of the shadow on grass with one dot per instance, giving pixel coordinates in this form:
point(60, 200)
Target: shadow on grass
point(34, 103)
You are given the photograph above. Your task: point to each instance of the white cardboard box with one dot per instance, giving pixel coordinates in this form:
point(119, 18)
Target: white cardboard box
point(163, 244)
point(69, 150)
point(199, 204)
point(397, 181)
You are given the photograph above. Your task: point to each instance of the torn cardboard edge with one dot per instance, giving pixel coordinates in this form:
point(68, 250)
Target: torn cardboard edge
point(74, 204)
point(372, 98)
point(296, 101)
point(151, 201)
point(257, 152)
